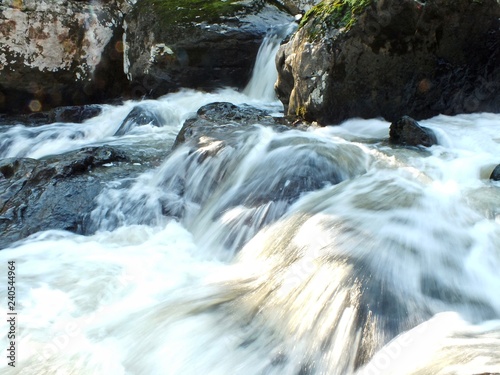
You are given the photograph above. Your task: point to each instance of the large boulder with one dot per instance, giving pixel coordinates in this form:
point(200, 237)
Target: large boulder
point(389, 58)
point(197, 44)
point(55, 52)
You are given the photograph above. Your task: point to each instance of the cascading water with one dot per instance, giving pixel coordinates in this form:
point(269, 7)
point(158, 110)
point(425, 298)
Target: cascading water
point(261, 84)
point(324, 251)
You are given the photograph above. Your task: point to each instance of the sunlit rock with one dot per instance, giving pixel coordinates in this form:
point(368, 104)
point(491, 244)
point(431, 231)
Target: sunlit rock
point(55, 52)
point(390, 58)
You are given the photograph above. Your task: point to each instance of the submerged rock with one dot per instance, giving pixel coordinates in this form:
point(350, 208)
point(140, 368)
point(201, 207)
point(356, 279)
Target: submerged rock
point(386, 59)
point(408, 132)
point(196, 44)
point(495, 175)
point(56, 53)
point(138, 116)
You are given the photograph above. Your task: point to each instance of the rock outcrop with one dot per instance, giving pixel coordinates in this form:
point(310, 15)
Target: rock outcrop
point(55, 52)
point(195, 44)
point(389, 58)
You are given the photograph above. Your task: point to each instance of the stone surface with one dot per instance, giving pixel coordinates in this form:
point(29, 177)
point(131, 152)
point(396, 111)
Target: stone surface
point(224, 118)
point(55, 52)
point(56, 193)
point(75, 114)
point(392, 58)
point(139, 115)
point(195, 44)
point(298, 6)
point(408, 132)
point(495, 175)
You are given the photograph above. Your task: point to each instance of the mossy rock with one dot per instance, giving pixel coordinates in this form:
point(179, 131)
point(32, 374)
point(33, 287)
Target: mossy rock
point(332, 14)
point(184, 11)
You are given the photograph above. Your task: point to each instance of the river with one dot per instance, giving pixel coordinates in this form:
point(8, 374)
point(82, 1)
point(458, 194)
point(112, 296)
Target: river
point(324, 251)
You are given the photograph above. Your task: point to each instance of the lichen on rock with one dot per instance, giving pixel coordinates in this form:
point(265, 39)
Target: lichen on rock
point(52, 51)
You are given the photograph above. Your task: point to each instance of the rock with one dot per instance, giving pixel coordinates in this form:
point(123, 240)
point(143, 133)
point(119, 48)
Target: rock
point(495, 175)
point(223, 117)
point(194, 44)
point(392, 58)
point(57, 193)
point(75, 114)
point(298, 6)
point(56, 53)
point(139, 115)
point(407, 132)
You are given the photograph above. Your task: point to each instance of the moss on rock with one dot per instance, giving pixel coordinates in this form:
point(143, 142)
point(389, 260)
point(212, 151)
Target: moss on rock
point(182, 11)
point(332, 14)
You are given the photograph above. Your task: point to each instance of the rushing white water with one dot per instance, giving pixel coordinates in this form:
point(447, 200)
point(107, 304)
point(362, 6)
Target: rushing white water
point(264, 75)
point(319, 252)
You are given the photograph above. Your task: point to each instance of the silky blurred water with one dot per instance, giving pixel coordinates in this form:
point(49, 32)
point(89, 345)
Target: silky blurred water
point(326, 251)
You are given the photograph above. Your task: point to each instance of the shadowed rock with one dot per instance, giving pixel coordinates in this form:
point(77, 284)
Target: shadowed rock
point(407, 132)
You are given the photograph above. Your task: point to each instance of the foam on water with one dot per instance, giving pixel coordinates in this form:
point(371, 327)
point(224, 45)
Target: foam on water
point(318, 252)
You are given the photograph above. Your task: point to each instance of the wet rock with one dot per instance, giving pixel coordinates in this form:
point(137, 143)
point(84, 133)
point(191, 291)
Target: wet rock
point(392, 58)
point(495, 175)
point(138, 116)
point(223, 117)
point(55, 53)
point(75, 114)
point(205, 45)
point(408, 132)
point(56, 193)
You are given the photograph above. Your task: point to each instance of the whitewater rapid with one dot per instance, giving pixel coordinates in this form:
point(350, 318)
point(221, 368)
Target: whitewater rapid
point(326, 251)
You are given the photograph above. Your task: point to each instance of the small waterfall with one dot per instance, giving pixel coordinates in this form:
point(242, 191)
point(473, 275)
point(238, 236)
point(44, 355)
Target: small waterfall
point(264, 75)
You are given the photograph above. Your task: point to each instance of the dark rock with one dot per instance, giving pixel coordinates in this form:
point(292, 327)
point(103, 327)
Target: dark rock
point(224, 117)
point(75, 114)
point(495, 175)
point(56, 193)
point(407, 132)
point(388, 59)
point(203, 45)
point(139, 115)
point(56, 53)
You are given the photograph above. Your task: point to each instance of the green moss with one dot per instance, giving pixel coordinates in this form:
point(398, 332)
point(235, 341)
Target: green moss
point(181, 11)
point(301, 112)
point(333, 14)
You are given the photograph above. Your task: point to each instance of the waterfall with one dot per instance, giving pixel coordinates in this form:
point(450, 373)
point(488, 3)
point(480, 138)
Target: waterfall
point(264, 74)
point(260, 250)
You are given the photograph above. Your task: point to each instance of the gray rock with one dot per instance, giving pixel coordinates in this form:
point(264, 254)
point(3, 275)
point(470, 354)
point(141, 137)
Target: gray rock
point(408, 132)
point(392, 58)
point(55, 53)
point(298, 6)
point(223, 118)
